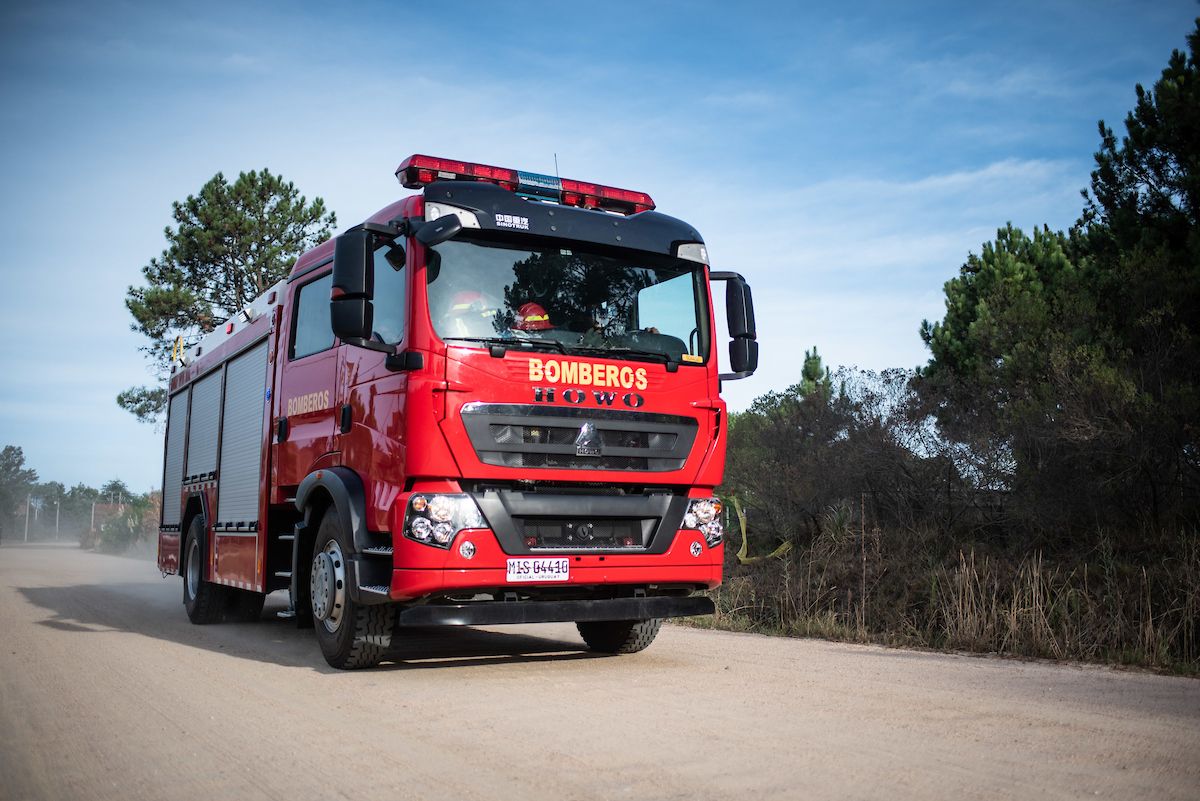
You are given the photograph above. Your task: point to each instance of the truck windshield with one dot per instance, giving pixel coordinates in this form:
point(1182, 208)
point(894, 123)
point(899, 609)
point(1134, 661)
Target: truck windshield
point(569, 300)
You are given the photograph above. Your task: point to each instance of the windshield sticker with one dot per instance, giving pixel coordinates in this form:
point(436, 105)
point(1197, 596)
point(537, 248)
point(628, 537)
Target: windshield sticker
point(512, 221)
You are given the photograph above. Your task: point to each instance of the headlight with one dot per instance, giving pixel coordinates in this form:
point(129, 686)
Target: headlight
point(420, 529)
point(442, 533)
point(436, 519)
point(704, 515)
point(441, 509)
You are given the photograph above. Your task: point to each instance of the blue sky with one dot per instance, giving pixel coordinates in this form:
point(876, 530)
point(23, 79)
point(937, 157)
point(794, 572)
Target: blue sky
point(846, 160)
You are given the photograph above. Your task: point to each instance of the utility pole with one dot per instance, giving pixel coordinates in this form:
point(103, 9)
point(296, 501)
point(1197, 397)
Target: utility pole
point(28, 498)
point(57, 508)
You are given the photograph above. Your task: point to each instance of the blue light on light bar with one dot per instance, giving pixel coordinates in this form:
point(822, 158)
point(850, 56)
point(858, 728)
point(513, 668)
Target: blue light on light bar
point(533, 184)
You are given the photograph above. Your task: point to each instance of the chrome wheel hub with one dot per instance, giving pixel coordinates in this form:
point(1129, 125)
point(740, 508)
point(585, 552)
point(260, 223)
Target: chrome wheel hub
point(328, 586)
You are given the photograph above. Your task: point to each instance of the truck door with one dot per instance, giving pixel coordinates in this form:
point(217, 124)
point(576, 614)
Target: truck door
point(306, 424)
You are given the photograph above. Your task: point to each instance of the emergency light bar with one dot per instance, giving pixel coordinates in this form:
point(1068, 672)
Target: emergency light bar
point(416, 171)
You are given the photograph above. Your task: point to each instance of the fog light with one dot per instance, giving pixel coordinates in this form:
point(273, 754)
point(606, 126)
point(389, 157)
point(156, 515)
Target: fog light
point(467, 550)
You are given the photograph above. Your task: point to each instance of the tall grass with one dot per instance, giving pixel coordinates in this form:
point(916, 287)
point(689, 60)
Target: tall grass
point(902, 588)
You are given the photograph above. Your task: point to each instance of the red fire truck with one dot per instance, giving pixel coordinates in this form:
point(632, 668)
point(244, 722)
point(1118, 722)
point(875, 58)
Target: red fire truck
point(495, 401)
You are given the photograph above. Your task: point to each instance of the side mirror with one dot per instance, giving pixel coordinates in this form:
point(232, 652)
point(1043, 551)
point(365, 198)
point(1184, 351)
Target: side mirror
point(739, 310)
point(739, 314)
point(353, 285)
point(440, 230)
point(350, 310)
point(743, 356)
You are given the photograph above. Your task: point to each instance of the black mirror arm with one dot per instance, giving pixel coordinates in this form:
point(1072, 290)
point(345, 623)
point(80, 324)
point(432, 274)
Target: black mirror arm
point(397, 360)
point(386, 232)
point(370, 344)
point(406, 226)
point(440, 230)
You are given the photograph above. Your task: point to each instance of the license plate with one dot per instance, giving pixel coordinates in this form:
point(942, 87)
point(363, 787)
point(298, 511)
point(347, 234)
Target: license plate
point(538, 570)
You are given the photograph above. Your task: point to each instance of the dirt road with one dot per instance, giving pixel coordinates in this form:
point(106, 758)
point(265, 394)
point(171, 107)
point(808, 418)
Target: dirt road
point(106, 691)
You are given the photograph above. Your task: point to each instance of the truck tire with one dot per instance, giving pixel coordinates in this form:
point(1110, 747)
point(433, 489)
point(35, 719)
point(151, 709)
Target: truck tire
point(244, 606)
point(619, 636)
point(203, 600)
point(351, 635)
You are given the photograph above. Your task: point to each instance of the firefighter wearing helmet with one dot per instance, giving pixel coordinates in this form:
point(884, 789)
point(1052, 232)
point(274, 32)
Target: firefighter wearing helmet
point(471, 314)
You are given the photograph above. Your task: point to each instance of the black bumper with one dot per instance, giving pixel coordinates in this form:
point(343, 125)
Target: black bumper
point(496, 613)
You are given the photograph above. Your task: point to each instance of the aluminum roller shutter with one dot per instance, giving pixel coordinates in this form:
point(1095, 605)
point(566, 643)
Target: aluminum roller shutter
point(173, 470)
point(242, 437)
point(202, 433)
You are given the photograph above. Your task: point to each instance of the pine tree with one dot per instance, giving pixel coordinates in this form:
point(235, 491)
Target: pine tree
point(815, 379)
point(230, 243)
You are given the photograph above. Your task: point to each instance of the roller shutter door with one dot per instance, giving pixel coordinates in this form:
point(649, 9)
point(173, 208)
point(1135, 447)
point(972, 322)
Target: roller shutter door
point(173, 471)
point(242, 437)
point(202, 433)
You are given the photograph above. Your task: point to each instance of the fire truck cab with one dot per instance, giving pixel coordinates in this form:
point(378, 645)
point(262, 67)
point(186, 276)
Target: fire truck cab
point(495, 401)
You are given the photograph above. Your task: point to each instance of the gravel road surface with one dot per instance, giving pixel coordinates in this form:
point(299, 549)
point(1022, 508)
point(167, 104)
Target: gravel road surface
point(107, 692)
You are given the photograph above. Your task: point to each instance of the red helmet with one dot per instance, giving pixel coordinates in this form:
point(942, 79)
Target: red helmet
point(532, 317)
point(465, 301)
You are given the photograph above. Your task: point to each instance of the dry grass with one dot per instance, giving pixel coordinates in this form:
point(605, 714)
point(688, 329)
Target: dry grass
point(897, 589)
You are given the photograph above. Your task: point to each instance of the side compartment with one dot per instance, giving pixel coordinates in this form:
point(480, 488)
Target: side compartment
point(200, 462)
point(172, 484)
point(236, 519)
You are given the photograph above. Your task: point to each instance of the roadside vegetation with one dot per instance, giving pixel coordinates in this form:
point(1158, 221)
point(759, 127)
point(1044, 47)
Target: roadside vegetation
point(111, 519)
point(1035, 488)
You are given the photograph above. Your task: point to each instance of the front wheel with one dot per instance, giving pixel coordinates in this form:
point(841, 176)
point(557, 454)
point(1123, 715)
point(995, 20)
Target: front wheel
point(203, 600)
point(619, 636)
point(351, 635)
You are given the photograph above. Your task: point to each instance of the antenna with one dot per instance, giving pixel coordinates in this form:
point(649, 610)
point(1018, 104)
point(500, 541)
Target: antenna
point(556, 175)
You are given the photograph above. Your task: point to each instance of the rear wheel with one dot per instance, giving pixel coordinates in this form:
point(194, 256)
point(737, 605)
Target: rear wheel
point(351, 635)
point(619, 636)
point(203, 600)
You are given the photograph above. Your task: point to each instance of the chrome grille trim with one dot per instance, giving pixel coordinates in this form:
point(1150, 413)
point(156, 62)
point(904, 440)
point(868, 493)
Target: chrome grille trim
point(525, 436)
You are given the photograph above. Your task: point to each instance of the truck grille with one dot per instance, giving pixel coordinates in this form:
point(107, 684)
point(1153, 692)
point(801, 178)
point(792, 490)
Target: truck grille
point(512, 435)
point(585, 535)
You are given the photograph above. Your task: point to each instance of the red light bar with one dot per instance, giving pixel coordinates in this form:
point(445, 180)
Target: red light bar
point(592, 195)
point(417, 171)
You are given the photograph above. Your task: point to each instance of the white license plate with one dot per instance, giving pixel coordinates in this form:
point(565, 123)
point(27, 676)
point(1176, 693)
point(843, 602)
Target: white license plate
point(538, 570)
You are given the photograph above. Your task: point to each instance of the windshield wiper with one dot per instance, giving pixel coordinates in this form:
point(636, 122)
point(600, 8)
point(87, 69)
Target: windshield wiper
point(650, 355)
point(513, 343)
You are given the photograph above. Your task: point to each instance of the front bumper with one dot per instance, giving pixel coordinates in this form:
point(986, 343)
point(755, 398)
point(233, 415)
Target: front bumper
point(434, 573)
point(487, 570)
point(499, 612)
